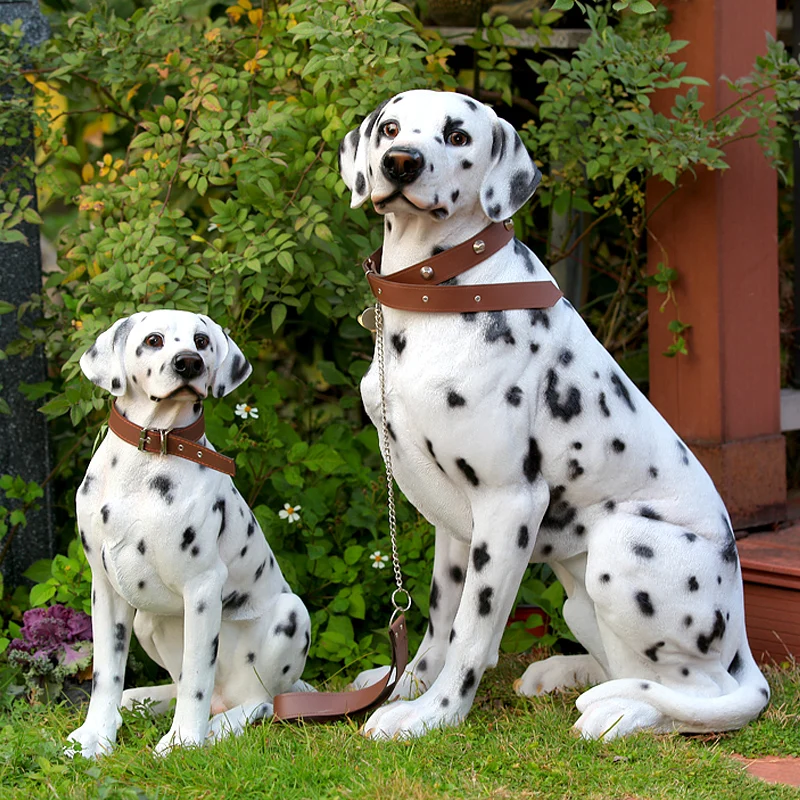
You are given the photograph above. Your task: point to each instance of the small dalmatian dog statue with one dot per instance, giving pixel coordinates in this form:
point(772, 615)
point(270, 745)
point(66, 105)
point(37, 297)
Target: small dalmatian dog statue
point(521, 440)
point(175, 552)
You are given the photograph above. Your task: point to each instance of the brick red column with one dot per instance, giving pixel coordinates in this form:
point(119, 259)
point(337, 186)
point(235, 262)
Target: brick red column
point(720, 233)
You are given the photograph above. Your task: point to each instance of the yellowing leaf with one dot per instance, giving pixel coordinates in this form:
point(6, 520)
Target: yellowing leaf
point(234, 12)
point(213, 34)
point(246, 4)
point(74, 275)
point(211, 103)
point(87, 172)
point(255, 16)
point(94, 131)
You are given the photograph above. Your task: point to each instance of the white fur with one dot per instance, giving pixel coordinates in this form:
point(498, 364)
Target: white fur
point(176, 554)
point(520, 438)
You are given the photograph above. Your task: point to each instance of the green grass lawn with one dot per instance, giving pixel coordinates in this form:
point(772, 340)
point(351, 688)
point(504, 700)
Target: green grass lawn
point(508, 748)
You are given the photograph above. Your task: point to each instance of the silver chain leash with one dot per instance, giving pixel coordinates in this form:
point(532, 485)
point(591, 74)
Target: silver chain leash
point(387, 460)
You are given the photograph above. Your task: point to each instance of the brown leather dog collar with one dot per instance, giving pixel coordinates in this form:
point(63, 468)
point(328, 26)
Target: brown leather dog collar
point(418, 287)
point(180, 442)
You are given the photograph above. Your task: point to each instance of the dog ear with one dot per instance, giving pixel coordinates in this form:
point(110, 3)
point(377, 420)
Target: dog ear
point(353, 162)
point(353, 158)
point(104, 362)
point(512, 178)
point(232, 367)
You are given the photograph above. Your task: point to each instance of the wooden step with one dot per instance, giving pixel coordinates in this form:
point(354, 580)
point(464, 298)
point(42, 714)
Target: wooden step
point(771, 573)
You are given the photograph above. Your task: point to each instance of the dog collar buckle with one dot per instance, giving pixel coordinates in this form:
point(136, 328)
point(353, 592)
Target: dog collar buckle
point(144, 439)
point(164, 435)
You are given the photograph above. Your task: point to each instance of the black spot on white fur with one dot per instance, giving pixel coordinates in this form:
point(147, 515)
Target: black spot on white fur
point(433, 603)
point(188, 538)
point(480, 556)
point(645, 604)
point(485, 601)
point(622, 391)
point(468, 683)
point(514, 396)
point(561, 408)
point(429, 445)
point(163, 485)
point(652, 652)
point(468, 471)
point(523, 537)
point(498, 328)
point(560, 513)
point(455, 400)
point(532, 463)
point(704, 641)
point(290, 628)
point(220, 506)
point(575, 470)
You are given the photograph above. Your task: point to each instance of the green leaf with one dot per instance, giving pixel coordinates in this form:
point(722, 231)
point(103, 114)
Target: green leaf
point(41, 593)
point(277, 316)
point(39, 571)
point(353, 554)
point(642, 7)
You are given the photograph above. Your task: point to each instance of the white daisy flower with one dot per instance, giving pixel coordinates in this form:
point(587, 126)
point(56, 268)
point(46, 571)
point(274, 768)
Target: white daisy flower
point(378, 560)
point(289, 513)
point(244, 411)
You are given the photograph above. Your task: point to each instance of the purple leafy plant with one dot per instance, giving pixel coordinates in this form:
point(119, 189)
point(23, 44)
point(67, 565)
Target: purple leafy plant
point(56, 643)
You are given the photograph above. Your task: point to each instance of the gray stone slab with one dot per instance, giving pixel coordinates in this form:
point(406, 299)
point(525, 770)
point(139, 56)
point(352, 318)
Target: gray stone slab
point(24, 441)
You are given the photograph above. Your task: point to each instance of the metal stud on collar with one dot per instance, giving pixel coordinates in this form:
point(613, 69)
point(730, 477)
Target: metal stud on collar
point(479, 245)
point(426, 273)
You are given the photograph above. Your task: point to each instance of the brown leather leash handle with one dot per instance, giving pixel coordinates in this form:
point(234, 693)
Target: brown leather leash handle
point(329, 706)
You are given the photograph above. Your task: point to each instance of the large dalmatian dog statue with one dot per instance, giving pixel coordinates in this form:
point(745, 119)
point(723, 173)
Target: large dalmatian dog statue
point(175, 552)
point(521, 440)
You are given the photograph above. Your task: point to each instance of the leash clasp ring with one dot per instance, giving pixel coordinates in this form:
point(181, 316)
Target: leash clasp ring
point(396, 604)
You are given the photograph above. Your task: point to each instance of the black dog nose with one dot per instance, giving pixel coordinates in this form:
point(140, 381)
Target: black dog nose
point(402, 164)
point(188, 364)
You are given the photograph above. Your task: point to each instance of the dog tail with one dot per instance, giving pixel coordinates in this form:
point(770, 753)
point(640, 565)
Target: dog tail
point(689, 713)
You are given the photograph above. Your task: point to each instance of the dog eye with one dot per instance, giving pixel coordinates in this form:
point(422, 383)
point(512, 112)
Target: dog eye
point(458, 139)
point(201, 341)
point(154, 340)
point(390, 129)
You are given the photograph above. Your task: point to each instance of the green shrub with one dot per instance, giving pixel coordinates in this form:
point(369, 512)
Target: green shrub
point(189, 161)
point(201, 155)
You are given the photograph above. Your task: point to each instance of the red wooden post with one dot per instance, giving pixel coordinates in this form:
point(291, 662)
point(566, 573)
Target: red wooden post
point(720, 232)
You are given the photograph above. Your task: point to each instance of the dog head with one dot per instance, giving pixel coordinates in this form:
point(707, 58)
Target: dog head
point(436, 154)
point(165, 355)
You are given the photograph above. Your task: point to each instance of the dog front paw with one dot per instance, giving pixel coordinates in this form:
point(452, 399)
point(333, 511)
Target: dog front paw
point(407, 688)
point(89, 742)
point(407, 719)
point(179, 737)
point(369, 677)
point(557, 673)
